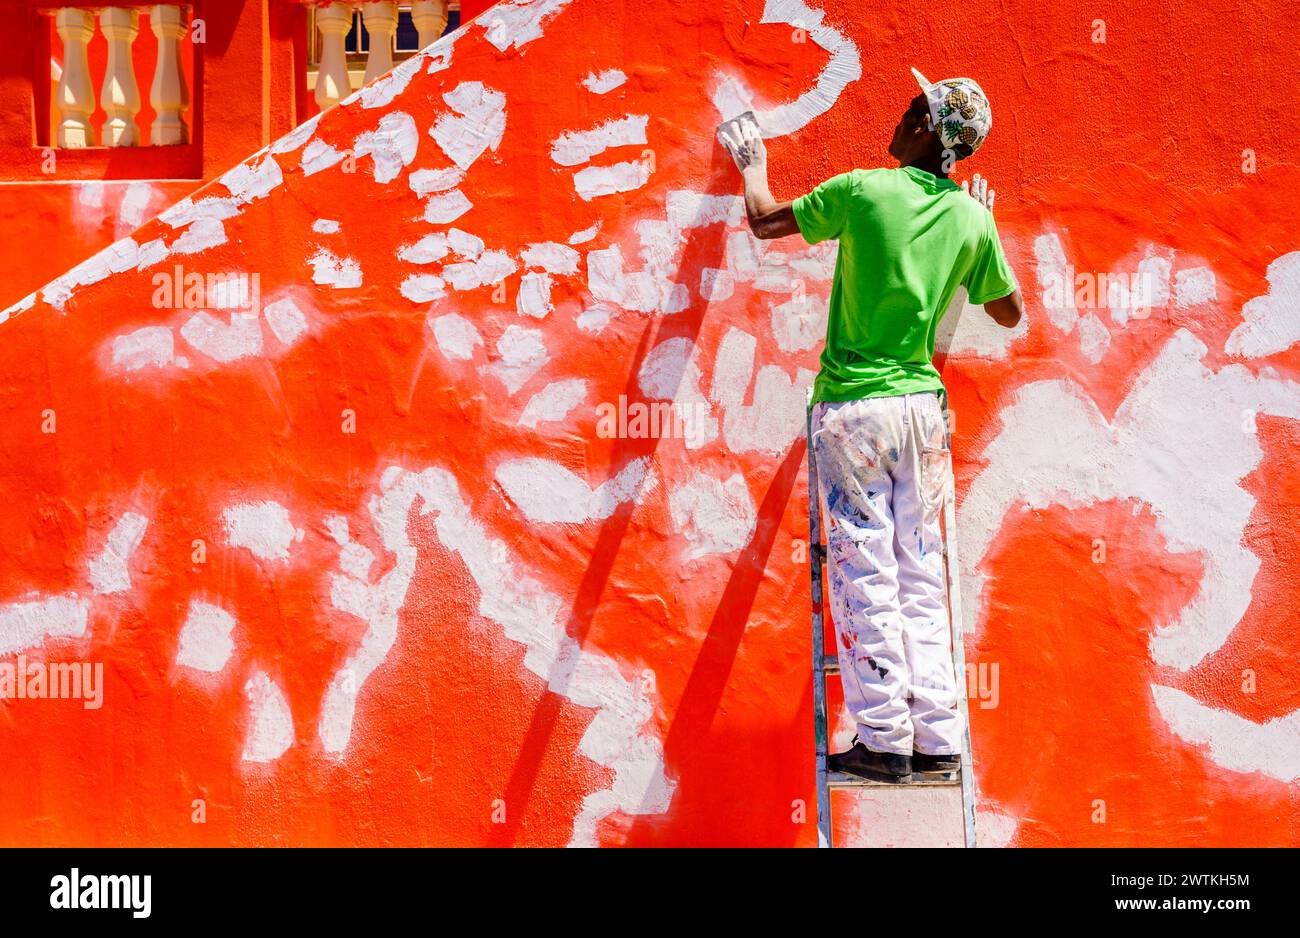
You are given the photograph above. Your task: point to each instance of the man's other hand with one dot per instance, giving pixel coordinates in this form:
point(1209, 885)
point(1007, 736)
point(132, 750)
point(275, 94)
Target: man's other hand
point(978, 189)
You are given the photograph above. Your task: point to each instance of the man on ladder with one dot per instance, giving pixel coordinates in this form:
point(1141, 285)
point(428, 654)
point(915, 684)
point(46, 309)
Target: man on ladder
point(909, 238)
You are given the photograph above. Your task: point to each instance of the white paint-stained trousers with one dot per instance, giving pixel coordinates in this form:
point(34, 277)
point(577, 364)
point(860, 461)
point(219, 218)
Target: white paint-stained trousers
point(882, 464)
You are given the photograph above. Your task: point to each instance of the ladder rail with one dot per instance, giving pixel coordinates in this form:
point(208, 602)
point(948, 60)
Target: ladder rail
point(816, 553)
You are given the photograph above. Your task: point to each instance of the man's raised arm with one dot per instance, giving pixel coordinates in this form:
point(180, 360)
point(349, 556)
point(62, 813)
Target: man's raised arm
point(768, 218)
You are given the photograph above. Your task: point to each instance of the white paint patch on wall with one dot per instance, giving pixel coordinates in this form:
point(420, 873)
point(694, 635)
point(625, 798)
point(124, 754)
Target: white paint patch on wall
point(715, 516)
point(575, 147)
point(1234, 742)
point(392, 145)
point(478, 124)
point(731, 98)
point(456, 337)
point(424, 181)
point(110, 570)
point(263, 528)
point(529, 615)
point(596, 181)
point(224, 342)
point(547, 492)
point(521, 353)
point(205, 641)
point(148, 345)
point(518, 22)
point(288, 323)
point(446, 208)
point(341, 273)
point(966, 331)
point(1271, 322)
point(270, 731)
point(604, 82)
point(554, 402)
point(1175, 444)
point(30, 622)
point(325, 226)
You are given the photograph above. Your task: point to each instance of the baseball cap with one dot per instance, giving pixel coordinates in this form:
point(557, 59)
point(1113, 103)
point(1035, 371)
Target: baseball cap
point(959, 110)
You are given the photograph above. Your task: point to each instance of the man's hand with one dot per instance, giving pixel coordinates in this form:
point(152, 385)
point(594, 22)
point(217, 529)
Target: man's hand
point(744, 142)
point(768, 218)
point(978, 189)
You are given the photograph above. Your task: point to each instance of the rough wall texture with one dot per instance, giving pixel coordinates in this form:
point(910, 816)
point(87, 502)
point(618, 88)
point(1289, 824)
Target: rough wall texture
point(363, 564)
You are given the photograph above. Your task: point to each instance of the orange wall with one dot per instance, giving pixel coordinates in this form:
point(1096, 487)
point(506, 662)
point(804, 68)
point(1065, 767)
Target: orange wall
point(545, 635)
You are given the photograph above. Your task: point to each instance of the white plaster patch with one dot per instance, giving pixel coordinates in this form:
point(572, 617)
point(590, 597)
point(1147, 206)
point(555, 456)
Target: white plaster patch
point(800, 323)
point(604, 82)
point(1179, 439)
point(427, 250)
point(446, 208)
point(518, 22)
point(488, 268)
point(425, 181)
point(135, 205)
point(669, 372)
point(110, 571)
point(553, 403)
point(392, 145)
point(547, 492)
point(422, 288)
point(205, 641)
point(224, 342)
point(575, 147)
point(521, 353)
point(325, 226)
point(1094, 338)
point(534, 296)
point(270, 731)
point(529, 615)
point(715, 516)
point(341, 273)
point(288, 323)
point(148, 345)
point(596, 181)
point(585, 235)
point(1194, 286)
point(1234, 742)
point(30, 622)
point(319, 156)
point(776, 415)
point(478, 124)
point(967, 331)
point(456, 336)
point(253, 180)
point(552, 257)
point(263, 528)
point(1054, 276)
point(732, 98)
point(1271, 323)
point(465, 244)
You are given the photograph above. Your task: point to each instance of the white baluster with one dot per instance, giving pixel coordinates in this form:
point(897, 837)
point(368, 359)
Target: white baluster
point(168, 96)
point(430, 19)
point(381, 23)
point(76, 97)
point(332, 82)
point(119, 95)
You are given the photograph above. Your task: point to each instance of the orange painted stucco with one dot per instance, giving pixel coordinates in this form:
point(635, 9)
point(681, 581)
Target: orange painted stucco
point(631, 664)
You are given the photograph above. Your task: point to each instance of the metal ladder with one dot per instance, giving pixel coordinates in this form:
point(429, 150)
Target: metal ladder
point(826, 781)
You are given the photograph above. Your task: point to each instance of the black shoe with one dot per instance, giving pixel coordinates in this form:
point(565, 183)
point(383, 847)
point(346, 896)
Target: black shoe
point(924, 764)
point(869, 764)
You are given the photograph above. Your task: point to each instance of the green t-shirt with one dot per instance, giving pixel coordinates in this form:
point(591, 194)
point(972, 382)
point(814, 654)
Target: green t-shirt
point(908, 240)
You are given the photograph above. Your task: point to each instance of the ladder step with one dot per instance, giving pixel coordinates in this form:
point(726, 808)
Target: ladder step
point(830, 665)
point(844, 780)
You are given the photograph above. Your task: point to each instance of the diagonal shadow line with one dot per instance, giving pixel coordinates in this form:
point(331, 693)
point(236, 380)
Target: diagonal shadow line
point(708, 243)
point(712, 668)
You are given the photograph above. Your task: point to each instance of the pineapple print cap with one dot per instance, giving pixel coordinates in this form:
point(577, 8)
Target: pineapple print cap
point(959, 110)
